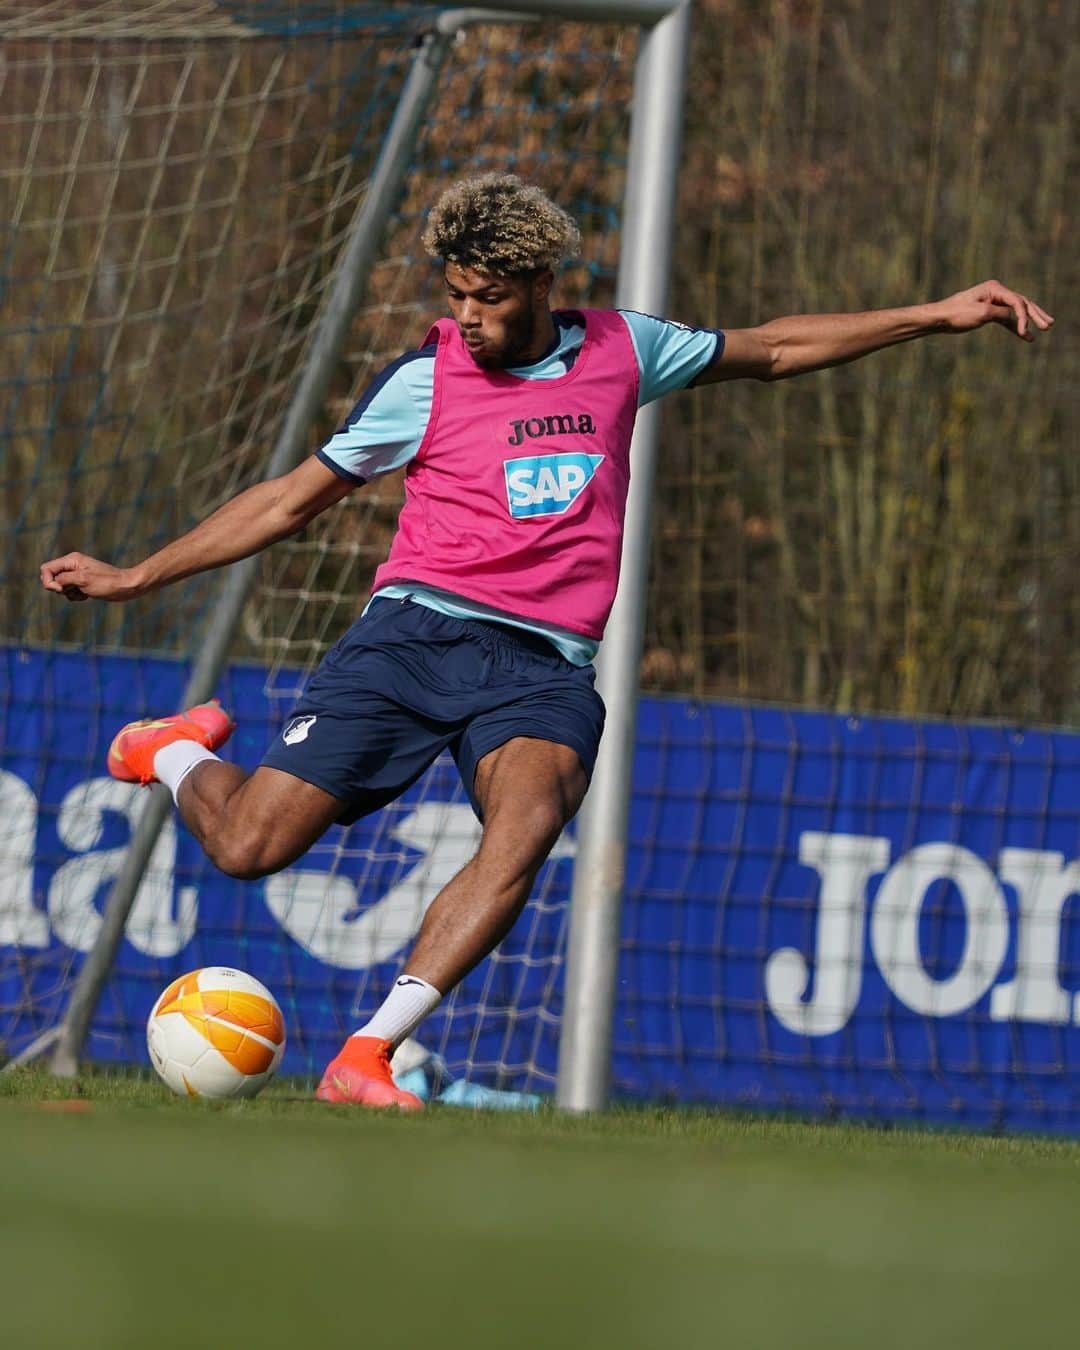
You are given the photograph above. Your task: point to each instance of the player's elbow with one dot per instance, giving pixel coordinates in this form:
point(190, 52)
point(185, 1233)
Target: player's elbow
point(288, 511)
point(770, 363)
point(286, 520)
point(298, 497)
point(753, 354)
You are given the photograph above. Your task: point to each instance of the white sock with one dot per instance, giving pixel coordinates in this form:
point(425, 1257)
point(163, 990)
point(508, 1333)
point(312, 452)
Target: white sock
point(173, 763)
point(403, 1009)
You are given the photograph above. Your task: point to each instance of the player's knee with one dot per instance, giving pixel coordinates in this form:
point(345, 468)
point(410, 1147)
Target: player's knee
point(544, 823)
point(247, 857)
point(534, 828)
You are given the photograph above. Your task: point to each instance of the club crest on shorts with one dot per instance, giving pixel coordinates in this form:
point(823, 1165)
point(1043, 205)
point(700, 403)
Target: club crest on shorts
point(546, 485)
point(297, 730)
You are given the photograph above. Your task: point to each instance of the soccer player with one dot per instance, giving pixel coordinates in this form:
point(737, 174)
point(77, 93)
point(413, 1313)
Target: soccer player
point(513, 421)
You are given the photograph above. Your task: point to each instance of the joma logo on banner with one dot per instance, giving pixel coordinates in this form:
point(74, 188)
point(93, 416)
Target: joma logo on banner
point(1043, 881)
point(330, 919)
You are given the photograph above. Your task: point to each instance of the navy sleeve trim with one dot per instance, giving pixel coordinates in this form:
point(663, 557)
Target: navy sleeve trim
point(385, 375)
point(341, 472)
point(718, 351)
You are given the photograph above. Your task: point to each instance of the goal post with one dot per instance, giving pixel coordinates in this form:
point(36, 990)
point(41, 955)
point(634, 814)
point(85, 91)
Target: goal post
point(600, 869)
point(186, 118)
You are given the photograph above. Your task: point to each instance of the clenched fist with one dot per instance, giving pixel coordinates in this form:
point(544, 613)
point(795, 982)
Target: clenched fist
point(78, 577)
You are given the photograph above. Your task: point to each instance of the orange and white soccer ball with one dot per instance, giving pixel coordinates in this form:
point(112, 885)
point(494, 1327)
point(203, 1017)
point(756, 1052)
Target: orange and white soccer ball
point(216, 1032)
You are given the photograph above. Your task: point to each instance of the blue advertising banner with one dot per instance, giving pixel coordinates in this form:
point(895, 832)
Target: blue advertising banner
point(831, 915)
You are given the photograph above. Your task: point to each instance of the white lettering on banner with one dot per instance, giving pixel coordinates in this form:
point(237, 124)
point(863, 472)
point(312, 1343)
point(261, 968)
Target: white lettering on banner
point(845, 864)
point(321, 912)
point(1043, 883)
point(894, 929)
point(151, 926)
point(21, 925)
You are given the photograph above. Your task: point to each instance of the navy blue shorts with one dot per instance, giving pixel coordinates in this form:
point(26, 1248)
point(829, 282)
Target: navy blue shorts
point(406, 683)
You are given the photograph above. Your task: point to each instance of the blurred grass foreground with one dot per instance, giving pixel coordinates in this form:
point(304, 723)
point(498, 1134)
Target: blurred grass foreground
point(280, 1222)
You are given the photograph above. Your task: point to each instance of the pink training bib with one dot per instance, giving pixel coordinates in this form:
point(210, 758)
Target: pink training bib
point(517, 494)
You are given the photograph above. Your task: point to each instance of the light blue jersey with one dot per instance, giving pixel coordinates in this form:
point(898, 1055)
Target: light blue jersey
point(387, 426)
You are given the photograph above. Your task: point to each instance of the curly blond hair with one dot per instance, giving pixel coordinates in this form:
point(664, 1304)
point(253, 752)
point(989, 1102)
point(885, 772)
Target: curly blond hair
point(500, 225)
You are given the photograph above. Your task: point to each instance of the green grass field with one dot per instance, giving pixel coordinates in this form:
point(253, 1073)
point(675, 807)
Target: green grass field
point(134, 1219)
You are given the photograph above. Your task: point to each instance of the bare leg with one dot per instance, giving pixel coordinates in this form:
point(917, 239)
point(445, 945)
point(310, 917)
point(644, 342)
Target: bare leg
point(528, 789)
point(253, 824)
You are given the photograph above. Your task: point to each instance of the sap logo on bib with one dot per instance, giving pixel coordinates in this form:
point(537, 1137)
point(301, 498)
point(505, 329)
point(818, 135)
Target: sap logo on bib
point(545, 485)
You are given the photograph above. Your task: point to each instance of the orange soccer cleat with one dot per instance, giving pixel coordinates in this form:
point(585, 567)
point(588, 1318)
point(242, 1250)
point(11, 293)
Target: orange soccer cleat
point(361, 1074)
point(131, 755)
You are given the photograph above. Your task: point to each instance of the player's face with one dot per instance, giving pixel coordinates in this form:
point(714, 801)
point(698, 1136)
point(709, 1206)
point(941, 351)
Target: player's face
point(504, 321)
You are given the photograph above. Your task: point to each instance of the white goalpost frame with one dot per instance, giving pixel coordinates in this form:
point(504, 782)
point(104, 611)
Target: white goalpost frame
point(642, 284)
point(585, 1036)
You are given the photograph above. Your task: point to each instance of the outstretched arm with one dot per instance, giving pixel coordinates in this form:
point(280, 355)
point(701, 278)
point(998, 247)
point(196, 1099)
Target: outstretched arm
point(804, 342)
point(253, 519)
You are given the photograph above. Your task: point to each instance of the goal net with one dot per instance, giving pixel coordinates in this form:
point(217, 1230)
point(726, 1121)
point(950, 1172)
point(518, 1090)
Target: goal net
point(824, 911)
point(178, 184)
